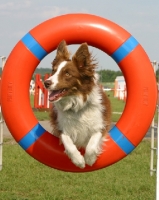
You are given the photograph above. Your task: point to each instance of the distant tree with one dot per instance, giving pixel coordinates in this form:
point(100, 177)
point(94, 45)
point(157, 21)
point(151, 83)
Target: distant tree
point(108, 75)
point(157, 75)
point(42, 72)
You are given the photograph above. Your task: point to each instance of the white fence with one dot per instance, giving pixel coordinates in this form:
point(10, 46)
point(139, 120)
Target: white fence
point(1, 121)
point(155, 148)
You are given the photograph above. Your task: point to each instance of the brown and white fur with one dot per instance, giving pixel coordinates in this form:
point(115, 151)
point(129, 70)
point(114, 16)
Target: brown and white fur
point(81, 110)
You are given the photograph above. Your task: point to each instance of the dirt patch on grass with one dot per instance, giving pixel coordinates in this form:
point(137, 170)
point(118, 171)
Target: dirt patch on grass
point(9, 141)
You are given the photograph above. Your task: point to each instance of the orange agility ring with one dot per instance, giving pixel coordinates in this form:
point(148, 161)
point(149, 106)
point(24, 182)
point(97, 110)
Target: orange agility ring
point(76, 29)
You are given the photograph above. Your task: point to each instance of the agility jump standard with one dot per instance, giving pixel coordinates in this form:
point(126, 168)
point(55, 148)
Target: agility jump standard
point(97, 32)
point(41, 93)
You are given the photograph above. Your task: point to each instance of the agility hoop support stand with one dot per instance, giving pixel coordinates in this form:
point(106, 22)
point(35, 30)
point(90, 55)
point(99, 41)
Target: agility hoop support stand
point(97, 32)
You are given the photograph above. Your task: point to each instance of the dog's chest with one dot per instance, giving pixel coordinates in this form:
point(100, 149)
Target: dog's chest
point(81, 125)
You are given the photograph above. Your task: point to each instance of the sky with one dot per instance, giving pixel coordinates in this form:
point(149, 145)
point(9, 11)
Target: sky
point(139, 17)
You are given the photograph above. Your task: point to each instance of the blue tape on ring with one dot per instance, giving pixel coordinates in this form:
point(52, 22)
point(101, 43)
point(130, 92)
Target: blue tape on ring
point(31, 136)
point(121, 140)
point(38, 51)
point(128, 46)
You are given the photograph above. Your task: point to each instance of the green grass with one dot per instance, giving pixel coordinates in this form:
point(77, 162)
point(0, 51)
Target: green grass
point(24, 178)
point(41, 115)
point(32, 100)
point(117, 106)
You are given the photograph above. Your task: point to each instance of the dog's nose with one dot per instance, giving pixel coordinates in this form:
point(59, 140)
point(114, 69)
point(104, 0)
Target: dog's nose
point(47, 83)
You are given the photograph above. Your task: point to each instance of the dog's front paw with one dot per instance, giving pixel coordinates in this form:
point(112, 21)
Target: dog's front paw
point(78, 159)
point(90, 157)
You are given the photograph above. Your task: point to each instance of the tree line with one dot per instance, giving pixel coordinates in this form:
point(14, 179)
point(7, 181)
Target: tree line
point(105, 75)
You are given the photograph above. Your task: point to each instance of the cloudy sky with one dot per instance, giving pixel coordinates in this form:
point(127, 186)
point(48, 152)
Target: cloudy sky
point(139, 17)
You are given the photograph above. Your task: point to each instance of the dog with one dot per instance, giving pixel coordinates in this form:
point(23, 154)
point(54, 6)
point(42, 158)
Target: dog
point(81, 113)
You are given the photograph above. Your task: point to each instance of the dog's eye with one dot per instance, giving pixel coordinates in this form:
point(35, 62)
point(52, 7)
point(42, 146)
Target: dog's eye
point(67, 74)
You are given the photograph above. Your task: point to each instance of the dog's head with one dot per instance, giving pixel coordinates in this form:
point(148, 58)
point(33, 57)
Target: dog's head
point(71, 77)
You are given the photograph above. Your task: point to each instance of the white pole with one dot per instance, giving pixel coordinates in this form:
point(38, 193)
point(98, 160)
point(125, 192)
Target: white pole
point(152, 170)
point(157, 166)
point(40, 97)
point(152, 149)
point(1, 121)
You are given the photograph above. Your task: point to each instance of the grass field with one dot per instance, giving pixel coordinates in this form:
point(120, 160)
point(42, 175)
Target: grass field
point(24, 178)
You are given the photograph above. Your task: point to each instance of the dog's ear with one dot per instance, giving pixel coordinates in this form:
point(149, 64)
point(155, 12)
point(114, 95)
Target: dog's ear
point(82, 56)
point(84, 62)
point(62, 51)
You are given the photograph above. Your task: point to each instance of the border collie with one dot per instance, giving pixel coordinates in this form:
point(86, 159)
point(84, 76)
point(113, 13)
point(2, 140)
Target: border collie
point(81, 114)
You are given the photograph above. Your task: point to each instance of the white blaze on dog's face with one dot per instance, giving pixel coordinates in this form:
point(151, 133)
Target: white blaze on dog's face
point(70, 77)
point(55, 77)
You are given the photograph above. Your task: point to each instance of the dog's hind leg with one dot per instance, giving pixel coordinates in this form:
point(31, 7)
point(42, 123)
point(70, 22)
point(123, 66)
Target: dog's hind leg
point(93, 149)
point(72, 151)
